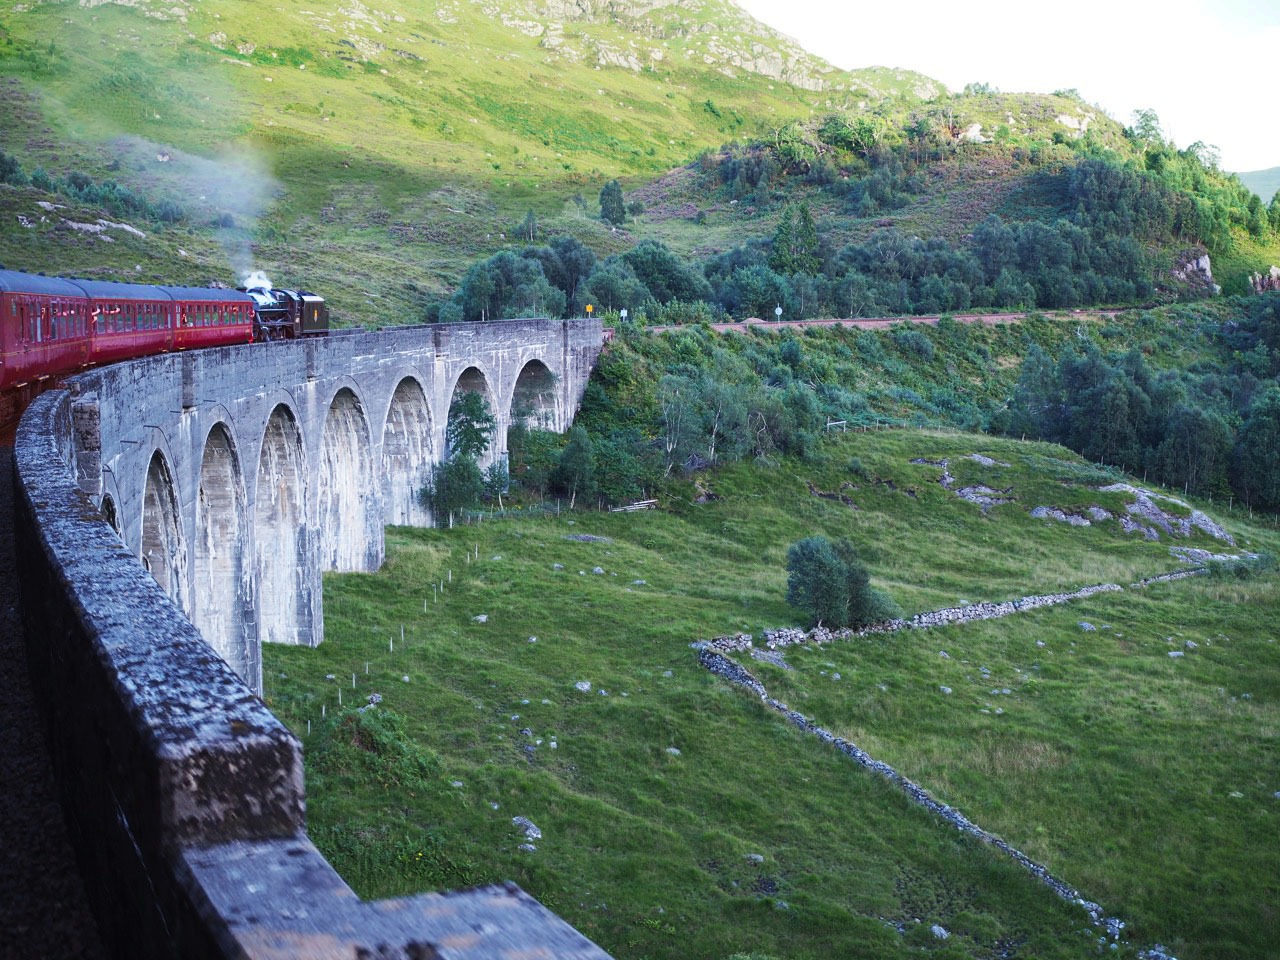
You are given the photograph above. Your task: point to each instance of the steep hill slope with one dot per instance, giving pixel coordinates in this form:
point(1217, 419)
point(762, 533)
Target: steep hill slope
point(373, 151)
point(525, 90)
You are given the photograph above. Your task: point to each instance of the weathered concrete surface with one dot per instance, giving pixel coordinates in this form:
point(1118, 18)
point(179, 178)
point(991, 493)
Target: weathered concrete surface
point(239, 475)
point(323, 920)
point(156, 743)
point(43, 909)
point(183, 793)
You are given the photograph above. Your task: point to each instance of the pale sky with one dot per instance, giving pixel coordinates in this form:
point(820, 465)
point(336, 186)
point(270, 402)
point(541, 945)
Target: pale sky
point(1209, 68)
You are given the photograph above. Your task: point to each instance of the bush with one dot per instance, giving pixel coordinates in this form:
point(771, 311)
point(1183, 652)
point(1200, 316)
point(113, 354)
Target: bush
point(374, 741)
point(827, 581)
point(456, 485)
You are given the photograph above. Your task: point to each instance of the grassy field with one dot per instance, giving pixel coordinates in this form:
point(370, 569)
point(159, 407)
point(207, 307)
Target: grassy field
point(1144, 780)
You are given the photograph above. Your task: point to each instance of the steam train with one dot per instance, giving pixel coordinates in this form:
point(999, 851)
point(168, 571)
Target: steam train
point(51, 326)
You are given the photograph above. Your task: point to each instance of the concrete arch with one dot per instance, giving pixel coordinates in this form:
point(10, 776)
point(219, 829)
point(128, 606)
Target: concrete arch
point(408, 454)
point(348, 520)
point(164, 547)
point(222, 602)
point(535, 398)
point(281, 535)
point(474, 379)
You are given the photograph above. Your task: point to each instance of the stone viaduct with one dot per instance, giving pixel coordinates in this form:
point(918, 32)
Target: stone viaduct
point(237, 476)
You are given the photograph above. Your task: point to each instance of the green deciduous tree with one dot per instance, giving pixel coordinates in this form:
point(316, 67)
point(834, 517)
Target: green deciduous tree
point(827, 581)
point(456, 485)
point(470, 425)
point(612, 208)
point(1257, 456)
point(575, 474)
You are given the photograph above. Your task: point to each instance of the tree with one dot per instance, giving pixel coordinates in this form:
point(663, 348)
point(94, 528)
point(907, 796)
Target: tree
point(1257, 458)
point(470, 426)
point(667, 276)
point(828, 581)
point(794, 148)
point(795, 243)
point(529, 227)
point(613, 285)
point(783, 238)
point(612, 208)
point(1146, 128)
point(576, 472)
point(456, 485)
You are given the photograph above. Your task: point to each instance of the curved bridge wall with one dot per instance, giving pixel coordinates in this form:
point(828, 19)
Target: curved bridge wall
point(239, 475)
point(184, 794)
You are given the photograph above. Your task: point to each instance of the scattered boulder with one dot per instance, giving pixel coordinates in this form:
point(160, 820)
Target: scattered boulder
point(942, 933)
point(527, 827)
point(1265, 282)
point(583, 685)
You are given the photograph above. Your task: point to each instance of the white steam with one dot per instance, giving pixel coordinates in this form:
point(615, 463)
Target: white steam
point(255, 279)
point(230, 190)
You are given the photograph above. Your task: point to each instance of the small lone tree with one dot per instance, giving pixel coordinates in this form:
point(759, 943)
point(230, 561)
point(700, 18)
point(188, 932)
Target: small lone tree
point(576, 472)
point(612, 208)
point(529, 227)
point(827, 581)
point(470, 425)
point(456, 485)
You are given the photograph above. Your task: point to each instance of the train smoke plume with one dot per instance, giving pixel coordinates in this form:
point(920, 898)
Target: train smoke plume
point(255, 279)
point(231, 189)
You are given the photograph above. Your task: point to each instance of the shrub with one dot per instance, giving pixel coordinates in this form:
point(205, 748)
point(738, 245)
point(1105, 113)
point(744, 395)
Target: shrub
point(373, 740)
point(827, 581)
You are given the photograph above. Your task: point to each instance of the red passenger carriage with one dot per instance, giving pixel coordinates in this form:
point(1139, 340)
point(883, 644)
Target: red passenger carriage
point(51, 327)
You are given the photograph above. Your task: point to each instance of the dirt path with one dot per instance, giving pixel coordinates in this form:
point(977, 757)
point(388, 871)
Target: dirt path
point(43, 911)
point(870, 323)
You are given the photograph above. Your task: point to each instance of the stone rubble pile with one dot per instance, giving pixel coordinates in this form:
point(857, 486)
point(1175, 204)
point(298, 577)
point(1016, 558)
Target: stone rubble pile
point(1167, 577)
point(982, 495)
point(792, 636)
point(1146, 508)
point(1194, 555)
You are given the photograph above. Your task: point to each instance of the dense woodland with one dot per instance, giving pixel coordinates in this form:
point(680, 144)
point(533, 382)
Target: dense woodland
point(1108, 222)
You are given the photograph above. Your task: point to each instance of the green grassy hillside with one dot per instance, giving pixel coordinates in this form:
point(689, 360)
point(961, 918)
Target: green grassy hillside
point(374, 154)
point(1144, 780)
